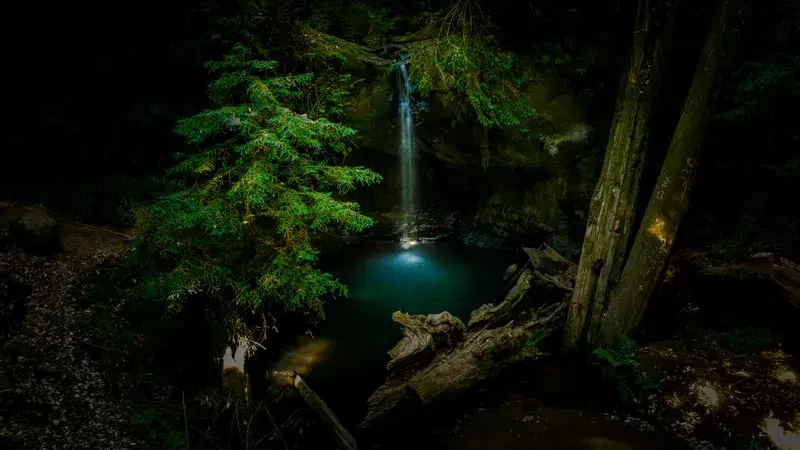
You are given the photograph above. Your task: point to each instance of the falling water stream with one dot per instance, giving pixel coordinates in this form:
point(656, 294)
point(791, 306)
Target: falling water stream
point(345, 359)
point(405, 131)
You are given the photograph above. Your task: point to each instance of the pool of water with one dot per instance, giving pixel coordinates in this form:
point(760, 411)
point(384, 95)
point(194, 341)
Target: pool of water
point(424, 279)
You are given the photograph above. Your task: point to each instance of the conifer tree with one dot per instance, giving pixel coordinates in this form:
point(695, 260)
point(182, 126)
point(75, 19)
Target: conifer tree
point(263, 182)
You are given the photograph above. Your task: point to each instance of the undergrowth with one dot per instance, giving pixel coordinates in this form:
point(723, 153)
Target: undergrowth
point(533, 341)
point(620, 368)
point(160, 431)
point(747, 339)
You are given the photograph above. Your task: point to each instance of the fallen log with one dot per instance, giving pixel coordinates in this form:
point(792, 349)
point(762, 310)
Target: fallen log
point(343, 438)
point(439, 357)
point(782, 273)
point(777, 274)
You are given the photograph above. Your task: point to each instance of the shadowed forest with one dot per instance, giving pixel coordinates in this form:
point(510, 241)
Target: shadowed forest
point(449, 224)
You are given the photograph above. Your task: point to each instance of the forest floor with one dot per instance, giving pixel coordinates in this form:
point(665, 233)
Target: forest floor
point(707, 397)
point(53, 394)
point(56, 393)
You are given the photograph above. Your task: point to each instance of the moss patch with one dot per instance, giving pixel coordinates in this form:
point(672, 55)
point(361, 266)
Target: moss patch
point(529, 210)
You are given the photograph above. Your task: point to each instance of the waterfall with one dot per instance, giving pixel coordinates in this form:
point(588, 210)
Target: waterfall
point(405, 131)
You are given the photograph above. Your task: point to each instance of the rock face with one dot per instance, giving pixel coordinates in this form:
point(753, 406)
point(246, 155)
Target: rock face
point(537, 172)
point(35, 230)
point(559, 126)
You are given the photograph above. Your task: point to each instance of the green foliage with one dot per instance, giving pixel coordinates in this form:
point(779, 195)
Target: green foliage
point(747, 340)
point(533, 341)
point(459, 60)
point(479, 82)
point(552, 58)
point(752, 445)
point(764, 82)
point(738, 238)
point(161, 433)
point(620, 367)
point(263, 183)
point(354, 21)
point(788, 169)
point(756, 82)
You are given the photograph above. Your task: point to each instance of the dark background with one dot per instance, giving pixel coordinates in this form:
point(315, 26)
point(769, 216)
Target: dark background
point(91, 94)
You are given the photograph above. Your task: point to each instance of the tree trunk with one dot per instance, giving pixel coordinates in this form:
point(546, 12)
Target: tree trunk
point(612, 208)
point(654, 240)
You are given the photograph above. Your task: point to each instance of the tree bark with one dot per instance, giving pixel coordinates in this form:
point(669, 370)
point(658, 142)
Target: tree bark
point(667, 205)
point(611, 214)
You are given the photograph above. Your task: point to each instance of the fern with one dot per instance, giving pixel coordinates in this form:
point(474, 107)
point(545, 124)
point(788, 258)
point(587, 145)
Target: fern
point(262, 183)
point(619, 366)
point(747, 340)
point(533, 341)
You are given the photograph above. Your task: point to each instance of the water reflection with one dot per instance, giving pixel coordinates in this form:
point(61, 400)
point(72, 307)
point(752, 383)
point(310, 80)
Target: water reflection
point(420, 279)
point(410, 258)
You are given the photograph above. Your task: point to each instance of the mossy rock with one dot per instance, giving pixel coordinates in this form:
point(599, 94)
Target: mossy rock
point(358, 60)
point(33, 229)
point(558, 129)
point(368, 113)
point(533, 209)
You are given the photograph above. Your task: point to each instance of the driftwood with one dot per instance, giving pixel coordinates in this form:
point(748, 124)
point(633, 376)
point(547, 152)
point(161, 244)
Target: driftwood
point(343, 437)
point(780, 272)
point(440, 357)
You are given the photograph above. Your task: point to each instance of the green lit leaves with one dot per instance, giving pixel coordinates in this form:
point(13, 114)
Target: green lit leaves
point(325, 211)
point(291, 277)
point(239, 229)
point(756, 82)
point(344, 179)
point(478, 81)
point(241, 58)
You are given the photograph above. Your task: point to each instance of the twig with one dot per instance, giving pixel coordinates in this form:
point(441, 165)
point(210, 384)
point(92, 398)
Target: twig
point(230, 430)
point(280, 435)
point(238, 422)
point(185, 419)
point(205, 435)
point(276, 429)
point(249, 422)
point(105, 230)
point(104, 349)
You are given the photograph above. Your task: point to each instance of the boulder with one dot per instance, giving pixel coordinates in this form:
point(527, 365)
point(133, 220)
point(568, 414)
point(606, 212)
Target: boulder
point(33, 229)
